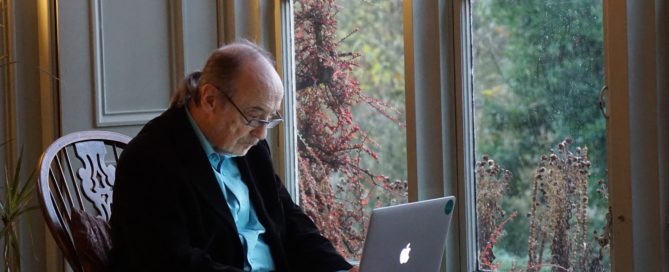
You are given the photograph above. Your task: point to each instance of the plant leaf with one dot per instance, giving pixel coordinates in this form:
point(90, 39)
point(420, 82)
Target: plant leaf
point(17, 176)
point(27, 209)
point(25, 193)
point(7, 204)
point(2, 203)
point(16, 202)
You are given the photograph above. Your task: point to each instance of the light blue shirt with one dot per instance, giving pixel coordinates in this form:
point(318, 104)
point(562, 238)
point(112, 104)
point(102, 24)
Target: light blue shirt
point(236, 193)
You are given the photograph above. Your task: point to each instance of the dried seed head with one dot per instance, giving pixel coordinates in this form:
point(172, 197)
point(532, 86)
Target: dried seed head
point(568, 140)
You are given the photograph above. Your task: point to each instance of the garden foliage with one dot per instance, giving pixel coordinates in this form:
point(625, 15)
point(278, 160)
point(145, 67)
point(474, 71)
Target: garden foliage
point(559, 220)
point(335, 189)
point(538, 67)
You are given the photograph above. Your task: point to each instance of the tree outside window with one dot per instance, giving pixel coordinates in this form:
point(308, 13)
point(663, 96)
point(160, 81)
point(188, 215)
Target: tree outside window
point(350, 112)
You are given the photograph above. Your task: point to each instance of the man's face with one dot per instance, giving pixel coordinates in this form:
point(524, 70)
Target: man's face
point(258, 94)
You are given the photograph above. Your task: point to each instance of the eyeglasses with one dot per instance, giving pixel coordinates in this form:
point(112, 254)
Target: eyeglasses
point(255, 122)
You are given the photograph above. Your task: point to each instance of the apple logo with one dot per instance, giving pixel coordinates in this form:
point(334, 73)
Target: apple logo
point(404, 255)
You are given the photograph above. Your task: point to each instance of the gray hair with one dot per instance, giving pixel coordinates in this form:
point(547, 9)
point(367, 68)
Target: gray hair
point(221, 70)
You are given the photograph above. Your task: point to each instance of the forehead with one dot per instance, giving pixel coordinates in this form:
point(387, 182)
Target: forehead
point(258, 85)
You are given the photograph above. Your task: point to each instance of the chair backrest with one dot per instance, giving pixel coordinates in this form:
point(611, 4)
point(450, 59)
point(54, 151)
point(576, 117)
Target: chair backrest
point(77, 171)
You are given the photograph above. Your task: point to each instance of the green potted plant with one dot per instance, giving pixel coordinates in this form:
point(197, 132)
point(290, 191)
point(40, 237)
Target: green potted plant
point(17, 193)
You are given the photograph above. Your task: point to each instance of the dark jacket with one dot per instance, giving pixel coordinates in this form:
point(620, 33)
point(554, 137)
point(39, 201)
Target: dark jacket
point(169, 214)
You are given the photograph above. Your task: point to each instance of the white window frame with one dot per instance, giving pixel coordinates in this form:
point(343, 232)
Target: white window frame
point(636, 56)
point(288, 131)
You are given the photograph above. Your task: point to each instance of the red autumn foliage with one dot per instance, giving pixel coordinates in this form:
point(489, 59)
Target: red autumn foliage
point(334, 189)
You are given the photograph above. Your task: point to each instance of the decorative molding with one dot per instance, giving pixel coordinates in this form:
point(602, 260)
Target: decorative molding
point(47, 26)
point(247, 16)
point(225, 18)
point(104, 115)
point(177, 35)
point(8, 81)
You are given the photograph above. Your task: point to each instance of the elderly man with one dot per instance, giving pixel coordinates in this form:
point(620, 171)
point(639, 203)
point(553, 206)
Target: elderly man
point(196, 190)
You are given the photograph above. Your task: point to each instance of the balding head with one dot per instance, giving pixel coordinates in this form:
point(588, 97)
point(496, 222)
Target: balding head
point(222, 69)
point(235, 97)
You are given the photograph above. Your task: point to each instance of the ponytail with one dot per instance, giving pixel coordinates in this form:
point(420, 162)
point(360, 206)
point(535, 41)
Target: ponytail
point(187, 90)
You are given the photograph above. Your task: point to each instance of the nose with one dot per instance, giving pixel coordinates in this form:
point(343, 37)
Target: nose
point(259, 132)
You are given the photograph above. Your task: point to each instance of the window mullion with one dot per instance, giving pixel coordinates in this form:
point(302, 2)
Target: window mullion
point(439, 128)
point(287, 132)
point(464, 132)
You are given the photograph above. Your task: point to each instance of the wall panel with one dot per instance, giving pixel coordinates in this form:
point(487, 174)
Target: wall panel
point(133, 60)
point(200, 33)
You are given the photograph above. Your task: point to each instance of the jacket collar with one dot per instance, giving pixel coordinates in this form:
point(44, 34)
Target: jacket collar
point(197, 167)
point(198, 170)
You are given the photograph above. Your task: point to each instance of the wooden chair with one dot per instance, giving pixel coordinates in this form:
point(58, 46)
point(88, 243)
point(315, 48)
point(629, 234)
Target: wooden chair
point(77, 171)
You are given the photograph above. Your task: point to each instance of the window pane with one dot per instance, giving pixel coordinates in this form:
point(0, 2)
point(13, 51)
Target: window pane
point(350, 111)
point(539, 135)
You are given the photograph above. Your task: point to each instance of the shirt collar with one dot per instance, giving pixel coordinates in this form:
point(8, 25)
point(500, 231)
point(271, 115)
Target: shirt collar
point(214, 157)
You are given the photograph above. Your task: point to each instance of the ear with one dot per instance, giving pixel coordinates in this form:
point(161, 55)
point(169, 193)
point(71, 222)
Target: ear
point(208, 97)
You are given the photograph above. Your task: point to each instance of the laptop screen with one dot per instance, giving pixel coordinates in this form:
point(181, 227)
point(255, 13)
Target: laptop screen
point(408, 237)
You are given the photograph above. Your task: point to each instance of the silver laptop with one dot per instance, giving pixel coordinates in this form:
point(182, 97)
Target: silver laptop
point(408, 237)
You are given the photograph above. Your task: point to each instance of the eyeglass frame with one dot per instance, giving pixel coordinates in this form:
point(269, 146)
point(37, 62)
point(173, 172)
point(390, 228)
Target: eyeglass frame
point(255, 122)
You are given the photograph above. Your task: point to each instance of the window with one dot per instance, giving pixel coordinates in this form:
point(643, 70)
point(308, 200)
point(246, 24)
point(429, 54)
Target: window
point(349, 88)
point(537, 70)
point(541, 191)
